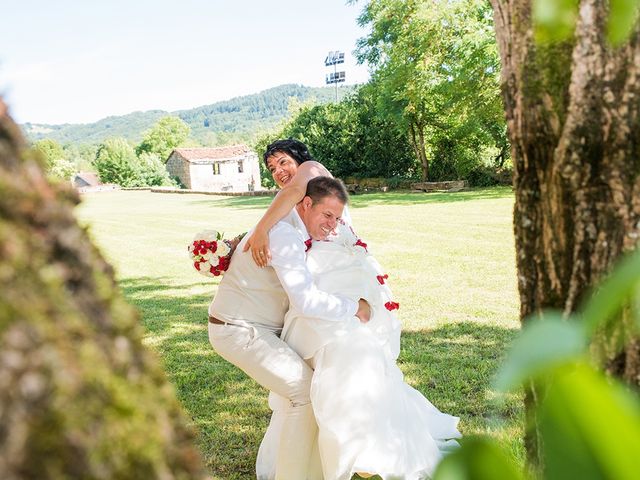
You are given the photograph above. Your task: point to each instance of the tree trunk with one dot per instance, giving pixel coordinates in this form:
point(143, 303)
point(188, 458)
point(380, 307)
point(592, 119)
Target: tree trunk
point(572, 115)
point(80, 396)
point(417, 142)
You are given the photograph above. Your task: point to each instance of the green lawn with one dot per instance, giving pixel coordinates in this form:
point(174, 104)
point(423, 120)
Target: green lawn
point(451, 263)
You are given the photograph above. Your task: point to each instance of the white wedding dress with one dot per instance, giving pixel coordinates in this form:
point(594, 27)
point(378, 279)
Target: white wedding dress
point(369, 419)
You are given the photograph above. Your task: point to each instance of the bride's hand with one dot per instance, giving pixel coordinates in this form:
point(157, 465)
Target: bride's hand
point(258, 242)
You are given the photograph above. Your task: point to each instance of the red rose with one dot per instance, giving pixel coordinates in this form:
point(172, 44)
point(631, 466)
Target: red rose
point(392, 306)
point(361, 244)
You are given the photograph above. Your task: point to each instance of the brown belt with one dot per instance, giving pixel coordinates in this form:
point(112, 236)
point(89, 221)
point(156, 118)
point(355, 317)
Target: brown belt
point(216, 321)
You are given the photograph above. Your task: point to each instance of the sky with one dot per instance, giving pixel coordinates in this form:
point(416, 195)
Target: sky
point(78, 61)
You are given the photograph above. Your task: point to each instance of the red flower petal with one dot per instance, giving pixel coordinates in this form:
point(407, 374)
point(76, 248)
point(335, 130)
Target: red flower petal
point(392, 306)
point(382, 278)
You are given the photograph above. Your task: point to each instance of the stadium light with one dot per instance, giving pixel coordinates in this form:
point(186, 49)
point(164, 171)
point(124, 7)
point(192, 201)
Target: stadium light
point(334, 58)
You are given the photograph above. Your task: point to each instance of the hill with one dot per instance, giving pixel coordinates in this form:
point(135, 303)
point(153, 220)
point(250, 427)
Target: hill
point(240, 118)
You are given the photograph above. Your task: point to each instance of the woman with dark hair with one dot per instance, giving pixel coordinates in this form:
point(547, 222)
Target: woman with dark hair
point(369, 420)
point(291, 166)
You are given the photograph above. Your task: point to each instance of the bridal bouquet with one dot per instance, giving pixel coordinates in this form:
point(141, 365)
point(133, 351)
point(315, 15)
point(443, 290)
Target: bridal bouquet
point(210, 253)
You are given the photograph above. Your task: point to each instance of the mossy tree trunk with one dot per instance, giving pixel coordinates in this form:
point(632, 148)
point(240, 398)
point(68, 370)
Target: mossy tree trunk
point(572, 113)
point(80, 396)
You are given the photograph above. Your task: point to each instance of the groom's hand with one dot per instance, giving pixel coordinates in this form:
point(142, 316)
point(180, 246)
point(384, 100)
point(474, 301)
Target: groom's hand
point(364, 311)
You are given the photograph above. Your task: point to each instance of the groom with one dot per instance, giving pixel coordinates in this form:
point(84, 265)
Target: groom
point(247, 314)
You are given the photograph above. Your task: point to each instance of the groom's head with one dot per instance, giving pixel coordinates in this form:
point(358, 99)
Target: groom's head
point(322, 206)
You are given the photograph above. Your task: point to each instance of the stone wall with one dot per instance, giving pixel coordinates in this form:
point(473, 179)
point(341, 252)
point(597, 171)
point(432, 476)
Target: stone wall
point(229, 179)
point(179, 167)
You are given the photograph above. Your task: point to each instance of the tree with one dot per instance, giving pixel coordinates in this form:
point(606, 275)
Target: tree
point(81, 396)
point(50, 149)
point(116, 162)
point(350, 138)
point(81, 155)
point(163, 137)
point(436, 67)
point(572, 110)
point(152, 171)
point(58, 165)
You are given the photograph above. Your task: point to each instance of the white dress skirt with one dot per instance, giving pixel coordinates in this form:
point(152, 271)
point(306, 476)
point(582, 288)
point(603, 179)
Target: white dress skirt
point(369, 420)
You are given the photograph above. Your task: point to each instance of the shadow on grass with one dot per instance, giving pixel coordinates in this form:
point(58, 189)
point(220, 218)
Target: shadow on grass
point(228, 409)
point(452, 365)
point(368, 199)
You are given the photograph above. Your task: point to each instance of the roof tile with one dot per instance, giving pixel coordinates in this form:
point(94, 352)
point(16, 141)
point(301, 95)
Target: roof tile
point(212, 153)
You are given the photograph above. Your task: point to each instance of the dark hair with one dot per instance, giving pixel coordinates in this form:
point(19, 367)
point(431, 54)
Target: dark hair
point(294, 148)
point(320, 187)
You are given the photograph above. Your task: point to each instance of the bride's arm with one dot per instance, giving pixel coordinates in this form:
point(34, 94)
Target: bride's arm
point(284, 201)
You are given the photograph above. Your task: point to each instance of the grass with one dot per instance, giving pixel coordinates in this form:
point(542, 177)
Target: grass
point(451, 263)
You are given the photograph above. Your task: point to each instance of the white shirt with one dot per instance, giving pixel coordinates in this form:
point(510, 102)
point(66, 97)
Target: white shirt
point(252, 295)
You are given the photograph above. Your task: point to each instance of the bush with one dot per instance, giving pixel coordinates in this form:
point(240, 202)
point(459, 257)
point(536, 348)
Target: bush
point(350, 139)
point(116, 162)
point(152, 172)
point(483, 176)
point(57, 163)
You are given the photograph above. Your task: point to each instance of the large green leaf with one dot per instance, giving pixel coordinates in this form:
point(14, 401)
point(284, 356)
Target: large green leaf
point(554, 20)
point(613, 293)
point(477, 459)
point(590, 427)
point(623, 15)
point(543, 345)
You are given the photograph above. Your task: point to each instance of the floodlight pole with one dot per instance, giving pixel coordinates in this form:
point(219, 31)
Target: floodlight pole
point(335, 75)
point(334, 58)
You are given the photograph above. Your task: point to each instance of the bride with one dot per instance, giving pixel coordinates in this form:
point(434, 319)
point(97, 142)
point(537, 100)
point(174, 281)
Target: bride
point(369, 420)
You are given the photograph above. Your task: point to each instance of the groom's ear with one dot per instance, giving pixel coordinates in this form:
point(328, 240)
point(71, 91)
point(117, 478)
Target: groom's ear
point(307, 202)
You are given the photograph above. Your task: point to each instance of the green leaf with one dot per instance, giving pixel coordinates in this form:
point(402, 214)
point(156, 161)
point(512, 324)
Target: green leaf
point(477, 459)
point(590, 427)
point(613, 292)
point(554, 20)
point(623, 15)
point(543, 345)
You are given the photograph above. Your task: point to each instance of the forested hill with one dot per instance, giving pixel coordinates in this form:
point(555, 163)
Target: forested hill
point(238, 118)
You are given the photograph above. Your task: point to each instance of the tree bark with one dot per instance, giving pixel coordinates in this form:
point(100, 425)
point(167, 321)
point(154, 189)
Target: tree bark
point(417, 141)
point(80, 396)
point(572, 116)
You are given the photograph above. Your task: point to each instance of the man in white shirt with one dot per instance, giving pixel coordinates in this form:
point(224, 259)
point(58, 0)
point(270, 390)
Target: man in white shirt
point(247, 314)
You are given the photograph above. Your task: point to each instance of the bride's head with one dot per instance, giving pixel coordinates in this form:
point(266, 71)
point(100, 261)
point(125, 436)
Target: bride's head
point(282, 158)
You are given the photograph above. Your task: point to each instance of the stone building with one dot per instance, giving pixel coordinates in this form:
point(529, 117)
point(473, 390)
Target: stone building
point(86, 182)
point(221, 169)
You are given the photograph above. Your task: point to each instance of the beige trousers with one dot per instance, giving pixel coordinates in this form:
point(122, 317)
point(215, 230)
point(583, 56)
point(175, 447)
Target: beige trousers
point(261, 354)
